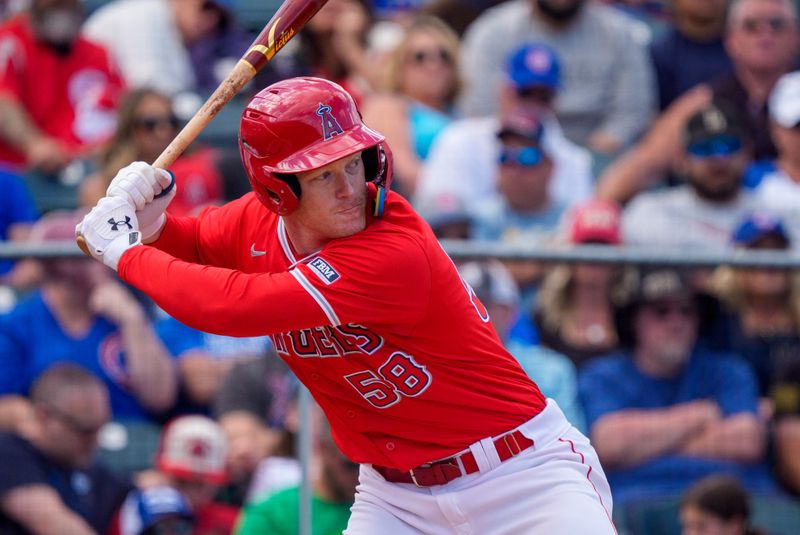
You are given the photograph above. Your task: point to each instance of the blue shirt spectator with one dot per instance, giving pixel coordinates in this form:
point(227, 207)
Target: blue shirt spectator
point(31, 340)
point(16, 207)
point(614, 383)
point(665, 412)
point(692, 51)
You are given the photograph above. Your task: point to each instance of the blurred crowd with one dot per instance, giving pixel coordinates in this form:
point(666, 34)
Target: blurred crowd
point(665, 124)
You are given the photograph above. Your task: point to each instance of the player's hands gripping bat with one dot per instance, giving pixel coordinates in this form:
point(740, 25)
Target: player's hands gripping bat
point(284, 24)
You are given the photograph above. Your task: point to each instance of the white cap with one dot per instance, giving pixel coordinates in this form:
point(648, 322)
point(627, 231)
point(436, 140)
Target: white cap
point(784, 101)
point(193, 447)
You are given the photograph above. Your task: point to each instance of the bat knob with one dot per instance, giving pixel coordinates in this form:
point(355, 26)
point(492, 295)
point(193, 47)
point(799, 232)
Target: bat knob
point(81, 241)
point(168, 188)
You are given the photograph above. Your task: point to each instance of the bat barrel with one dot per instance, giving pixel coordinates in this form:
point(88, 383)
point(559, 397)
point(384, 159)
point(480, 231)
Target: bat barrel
point(284, 24)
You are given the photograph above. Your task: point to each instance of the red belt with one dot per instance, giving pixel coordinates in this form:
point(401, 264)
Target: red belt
point(446, 470)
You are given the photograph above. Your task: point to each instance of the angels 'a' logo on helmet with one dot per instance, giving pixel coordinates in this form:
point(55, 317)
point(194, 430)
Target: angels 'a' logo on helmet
point(330, 126)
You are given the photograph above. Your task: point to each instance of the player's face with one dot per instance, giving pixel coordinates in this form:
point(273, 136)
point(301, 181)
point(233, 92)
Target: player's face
point(702, 10)
point(332, 202)
point(694, 521)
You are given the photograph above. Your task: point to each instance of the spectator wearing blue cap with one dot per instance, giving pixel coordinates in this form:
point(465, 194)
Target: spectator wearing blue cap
point(608, 92)
point(763, 304)
point(154, 511)
point(463, 159)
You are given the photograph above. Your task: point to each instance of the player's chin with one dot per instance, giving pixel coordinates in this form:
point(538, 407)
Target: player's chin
point(347, 225)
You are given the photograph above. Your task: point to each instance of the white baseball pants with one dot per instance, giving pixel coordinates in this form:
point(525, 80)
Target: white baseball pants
point(554, 487)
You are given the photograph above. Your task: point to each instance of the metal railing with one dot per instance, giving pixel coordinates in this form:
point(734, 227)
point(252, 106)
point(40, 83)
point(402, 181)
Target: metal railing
point(554, 253)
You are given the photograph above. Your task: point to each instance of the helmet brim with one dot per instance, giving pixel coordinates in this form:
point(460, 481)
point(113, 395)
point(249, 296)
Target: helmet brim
point(325, 152)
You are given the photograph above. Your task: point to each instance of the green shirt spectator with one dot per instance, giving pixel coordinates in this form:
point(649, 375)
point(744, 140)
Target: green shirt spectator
point(278, 515)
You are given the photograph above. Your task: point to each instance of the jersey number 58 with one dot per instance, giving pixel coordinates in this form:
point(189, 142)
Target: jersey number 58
point(399, 376)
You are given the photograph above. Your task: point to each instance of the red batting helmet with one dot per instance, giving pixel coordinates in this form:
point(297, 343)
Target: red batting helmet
point(301, 124)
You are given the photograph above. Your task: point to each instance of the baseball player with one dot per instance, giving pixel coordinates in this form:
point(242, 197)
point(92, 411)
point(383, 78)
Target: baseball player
point(371, 315)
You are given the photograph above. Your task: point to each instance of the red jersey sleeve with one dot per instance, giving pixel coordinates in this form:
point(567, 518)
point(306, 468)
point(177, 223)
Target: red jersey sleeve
point(220, 300)
point(205, 239)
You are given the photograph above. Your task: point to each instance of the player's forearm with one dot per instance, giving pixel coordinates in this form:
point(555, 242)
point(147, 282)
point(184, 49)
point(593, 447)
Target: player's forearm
point(739, 438)
point(16, 127)
point(631, 437)
point(152, 375)
point(178, 238)
point(218, 300)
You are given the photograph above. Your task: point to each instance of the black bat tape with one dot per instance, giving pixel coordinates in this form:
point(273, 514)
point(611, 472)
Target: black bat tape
point(168, 188)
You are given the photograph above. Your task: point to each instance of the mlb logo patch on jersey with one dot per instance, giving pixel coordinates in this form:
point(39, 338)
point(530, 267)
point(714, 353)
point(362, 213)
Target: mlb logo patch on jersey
point(324, 271)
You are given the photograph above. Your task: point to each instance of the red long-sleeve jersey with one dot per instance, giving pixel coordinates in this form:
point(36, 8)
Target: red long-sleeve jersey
point(393, 345)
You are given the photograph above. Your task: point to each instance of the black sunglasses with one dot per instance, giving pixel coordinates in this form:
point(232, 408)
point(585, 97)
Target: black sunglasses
point(423, 56)
point(539, 94)
point(73, 424)
point(775, 24)
point(153, 122)
point(663, 310)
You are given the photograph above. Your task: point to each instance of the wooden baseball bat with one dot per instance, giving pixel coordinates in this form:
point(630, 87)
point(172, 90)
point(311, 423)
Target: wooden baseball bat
point(287, 21)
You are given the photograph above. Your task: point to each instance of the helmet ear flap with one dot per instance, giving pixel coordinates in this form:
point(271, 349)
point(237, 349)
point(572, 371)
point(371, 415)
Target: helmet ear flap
point(291, 181)
point(378, 171)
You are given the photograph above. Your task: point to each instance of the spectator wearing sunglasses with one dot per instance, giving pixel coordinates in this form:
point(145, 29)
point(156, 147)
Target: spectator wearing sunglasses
point(704, 211)
point(145, 126)
point(50, 483)
point(463, 161)
point(423, 83)
point(763, 304)
point(665, 411)
point(522, 210)
point(777, 185)
point(762, 40)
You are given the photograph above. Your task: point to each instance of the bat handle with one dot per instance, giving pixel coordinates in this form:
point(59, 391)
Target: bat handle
point(169, 187)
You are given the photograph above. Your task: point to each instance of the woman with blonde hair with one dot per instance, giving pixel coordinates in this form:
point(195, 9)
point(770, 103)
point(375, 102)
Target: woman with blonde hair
point(574, 310)
point(146, 123)
point(422, 85)
point(763, 304)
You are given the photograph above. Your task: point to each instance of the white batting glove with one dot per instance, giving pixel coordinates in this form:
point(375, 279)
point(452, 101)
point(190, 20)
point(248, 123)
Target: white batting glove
point(110, 229)
point(140, 184)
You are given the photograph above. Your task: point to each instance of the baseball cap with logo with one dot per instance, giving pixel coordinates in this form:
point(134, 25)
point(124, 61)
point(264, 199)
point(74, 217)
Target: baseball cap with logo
point(784, 101)
point(534, 64)
point(715, 121)
point(596, 221)
point(193, 447)
point(757, 227)
point(155, 510)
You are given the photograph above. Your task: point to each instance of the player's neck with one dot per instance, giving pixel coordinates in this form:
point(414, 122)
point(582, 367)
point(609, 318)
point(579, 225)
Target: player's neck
point(303, 240)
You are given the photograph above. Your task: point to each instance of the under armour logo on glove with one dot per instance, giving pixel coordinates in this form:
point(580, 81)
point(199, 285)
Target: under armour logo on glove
point(115, 224)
